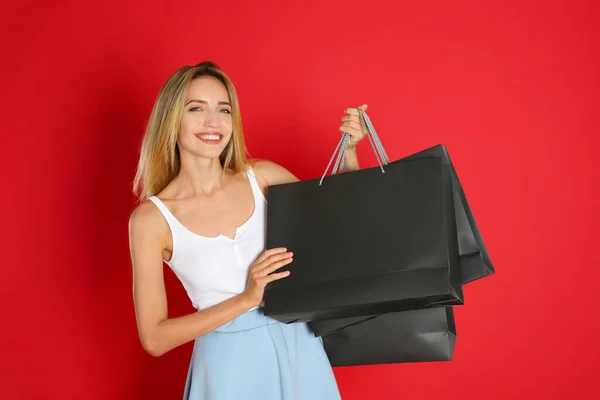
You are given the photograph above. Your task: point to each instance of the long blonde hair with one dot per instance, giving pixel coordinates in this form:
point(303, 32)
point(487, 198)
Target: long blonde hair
point(159, 159)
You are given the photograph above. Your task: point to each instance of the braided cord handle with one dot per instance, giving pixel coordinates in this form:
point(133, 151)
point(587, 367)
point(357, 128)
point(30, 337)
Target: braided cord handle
point(376, 145)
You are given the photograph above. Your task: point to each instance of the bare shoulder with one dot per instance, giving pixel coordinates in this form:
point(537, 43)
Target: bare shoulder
point(147, 227)
point(271, 173)
point(143, 216)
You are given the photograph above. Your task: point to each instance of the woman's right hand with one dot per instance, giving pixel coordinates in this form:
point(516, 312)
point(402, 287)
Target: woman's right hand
point(261, 273)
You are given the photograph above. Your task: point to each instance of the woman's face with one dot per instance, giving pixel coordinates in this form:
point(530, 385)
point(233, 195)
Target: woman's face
point(206, 123)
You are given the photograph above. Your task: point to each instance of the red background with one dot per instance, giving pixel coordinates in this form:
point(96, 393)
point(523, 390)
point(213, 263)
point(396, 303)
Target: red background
point(511, 87)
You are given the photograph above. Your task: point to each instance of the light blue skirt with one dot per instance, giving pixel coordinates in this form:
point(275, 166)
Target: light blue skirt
point(255, 357)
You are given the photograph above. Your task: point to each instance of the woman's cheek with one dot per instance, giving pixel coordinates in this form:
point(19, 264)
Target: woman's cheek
point(227, 122)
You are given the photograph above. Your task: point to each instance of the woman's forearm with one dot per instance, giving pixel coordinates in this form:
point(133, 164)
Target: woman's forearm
point(173, 332)
point(351, 160)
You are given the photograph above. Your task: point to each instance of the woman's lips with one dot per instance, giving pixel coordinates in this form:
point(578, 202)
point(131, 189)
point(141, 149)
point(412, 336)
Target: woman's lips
point(209, 138)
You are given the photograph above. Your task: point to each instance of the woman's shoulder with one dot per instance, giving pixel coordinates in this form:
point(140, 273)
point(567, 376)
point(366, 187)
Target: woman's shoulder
point(146, 219)
point(270, 173)
point(143, 211)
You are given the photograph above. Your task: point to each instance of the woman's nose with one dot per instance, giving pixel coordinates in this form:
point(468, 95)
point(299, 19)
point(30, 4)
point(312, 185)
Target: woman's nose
point(211, 119)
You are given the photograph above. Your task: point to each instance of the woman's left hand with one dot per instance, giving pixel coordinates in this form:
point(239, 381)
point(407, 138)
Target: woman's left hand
point(352, 126)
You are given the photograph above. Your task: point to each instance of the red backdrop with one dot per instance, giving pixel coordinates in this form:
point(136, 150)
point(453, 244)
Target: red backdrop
point(511, 87)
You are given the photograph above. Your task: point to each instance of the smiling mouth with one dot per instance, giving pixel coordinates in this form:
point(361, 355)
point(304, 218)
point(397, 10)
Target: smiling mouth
point(210, 138)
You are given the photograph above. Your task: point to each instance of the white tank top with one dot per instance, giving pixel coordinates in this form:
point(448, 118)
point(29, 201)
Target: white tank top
point(214, 269)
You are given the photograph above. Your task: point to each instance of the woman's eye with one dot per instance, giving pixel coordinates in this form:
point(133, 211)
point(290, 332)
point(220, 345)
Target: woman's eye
point(224, 110)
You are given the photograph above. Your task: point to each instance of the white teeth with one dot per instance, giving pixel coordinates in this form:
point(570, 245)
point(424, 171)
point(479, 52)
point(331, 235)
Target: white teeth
point(210, 137)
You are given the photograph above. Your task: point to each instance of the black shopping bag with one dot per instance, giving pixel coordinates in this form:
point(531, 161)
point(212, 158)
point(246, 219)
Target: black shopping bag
point(401, 337)
point(474, 259)
point(367, 242)
point(475, 262)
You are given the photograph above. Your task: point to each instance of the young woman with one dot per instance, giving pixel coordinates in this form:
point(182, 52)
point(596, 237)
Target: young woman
point(202, 211)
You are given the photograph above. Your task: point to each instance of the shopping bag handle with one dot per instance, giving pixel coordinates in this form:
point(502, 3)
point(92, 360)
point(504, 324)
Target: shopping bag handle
point(380, 154)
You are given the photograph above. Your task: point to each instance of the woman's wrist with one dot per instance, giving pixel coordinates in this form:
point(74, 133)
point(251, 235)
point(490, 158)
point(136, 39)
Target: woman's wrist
point(245, 301)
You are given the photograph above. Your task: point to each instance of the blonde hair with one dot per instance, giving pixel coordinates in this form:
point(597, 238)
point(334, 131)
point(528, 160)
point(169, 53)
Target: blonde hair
point(159, 159)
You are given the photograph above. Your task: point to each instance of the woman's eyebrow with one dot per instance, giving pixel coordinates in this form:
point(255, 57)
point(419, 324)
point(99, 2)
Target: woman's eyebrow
point(205, 102)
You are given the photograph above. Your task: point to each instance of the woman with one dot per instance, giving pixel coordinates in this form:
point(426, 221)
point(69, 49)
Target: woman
point(202, 211)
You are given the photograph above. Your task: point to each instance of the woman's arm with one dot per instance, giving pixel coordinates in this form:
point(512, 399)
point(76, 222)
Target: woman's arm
point(268, 173)
point(352, 126)
point(158, 333)
point(351, 160)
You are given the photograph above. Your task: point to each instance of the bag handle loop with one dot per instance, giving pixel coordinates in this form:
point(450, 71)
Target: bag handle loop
point(376, 145)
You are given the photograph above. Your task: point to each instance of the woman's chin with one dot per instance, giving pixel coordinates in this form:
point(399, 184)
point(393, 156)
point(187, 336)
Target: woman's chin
point(211, 154)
